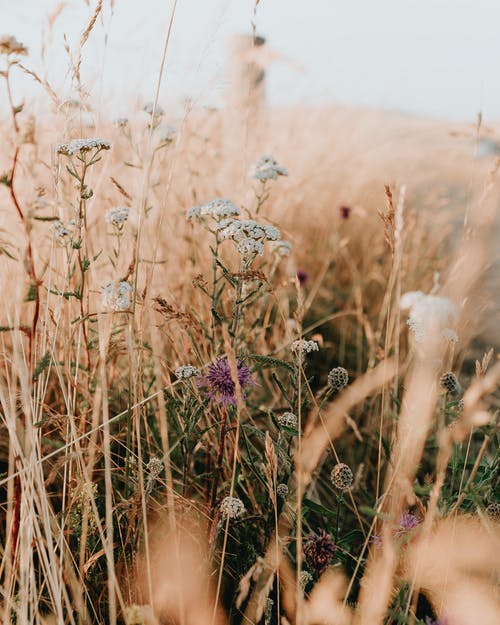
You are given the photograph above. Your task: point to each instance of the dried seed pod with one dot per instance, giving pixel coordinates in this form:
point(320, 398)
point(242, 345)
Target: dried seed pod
point(450, 383)
point(338, 378)
point(342, 476)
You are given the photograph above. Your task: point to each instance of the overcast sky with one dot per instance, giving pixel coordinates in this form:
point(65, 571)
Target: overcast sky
point(432, 57)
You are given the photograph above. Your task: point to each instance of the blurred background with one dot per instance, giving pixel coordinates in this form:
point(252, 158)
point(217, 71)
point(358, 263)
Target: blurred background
point(438, 58)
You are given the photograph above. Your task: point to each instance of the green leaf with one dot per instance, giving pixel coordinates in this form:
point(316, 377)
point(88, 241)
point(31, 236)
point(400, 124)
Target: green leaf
point(307, 504)
point(32, 294)
point(4, 250)
point(43, 364)
point(269, 361)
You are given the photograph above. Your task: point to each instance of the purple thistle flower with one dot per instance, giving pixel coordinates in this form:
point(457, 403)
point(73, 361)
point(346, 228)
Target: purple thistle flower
point(345, 211)
point(406, 523)
point(319, 551)
point(219, 383)
point(302, 276)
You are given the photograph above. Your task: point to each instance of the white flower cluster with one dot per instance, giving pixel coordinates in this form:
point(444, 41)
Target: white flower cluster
point(121, 122)
point(305, 578)
point(217, 209)
point(168, 134)
point(232, 507)
point(430, 316)
point(117, 216)
point(62, 233)
point(82, 145)
point(288, 419)
point(184, 372)
point(149, 108)
point(302, 347)
point(281, 248)
point(116, 296)
point(282, 490)
point(153, 468)
point(267, 168)
point(248, 235)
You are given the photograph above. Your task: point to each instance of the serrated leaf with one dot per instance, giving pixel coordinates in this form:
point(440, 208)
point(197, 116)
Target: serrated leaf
point(269, 361)
point(43, 364)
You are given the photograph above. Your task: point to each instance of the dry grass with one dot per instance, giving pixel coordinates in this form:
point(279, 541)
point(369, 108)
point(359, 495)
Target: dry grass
point(89, 533)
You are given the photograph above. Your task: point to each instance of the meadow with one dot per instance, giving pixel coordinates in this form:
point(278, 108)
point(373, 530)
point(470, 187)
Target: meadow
point(249, 367)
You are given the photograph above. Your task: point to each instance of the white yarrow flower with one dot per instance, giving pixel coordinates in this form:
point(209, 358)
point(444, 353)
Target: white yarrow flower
point(82, 145)
point(288, 419)
point(185, 372)
point(267, 168)
point(281, 248)
point(429, 316)
point(117, 296)
point(149, 109)
point(62, 233)
point(302, 347)
point(250, 247)
point(282, 490)
point(117, 216)
point(232, 507)
point(248, 235)
point(121, 122)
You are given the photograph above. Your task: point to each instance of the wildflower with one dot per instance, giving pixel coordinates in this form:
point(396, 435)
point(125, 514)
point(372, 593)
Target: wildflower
point(232, 507)
point(406, 523)
point(267, 168)
point(269, 611)
point(10, 45)
point(319, 551)
point(79, 146)
point(281, 248)
point(302, 277)
point(117, 296)
point(217, 209)
point(429, 316)
point(248, 235)
point(121, 122)
point(138, 614)
point(219, 382)
point(288, 419)
point(493, 511)
point(184, 372)
point(117, 216)
point(239, 229)
point(61, 232)
point(450, 335)
point(450, 383)
point(302, 347)
point(345, 211)
point(305, 578)
point(154, 467)
point(282, 490)
point(250, 247)
point(342, 476)
point(149, 108)
point(168, 135)
point(338, 378)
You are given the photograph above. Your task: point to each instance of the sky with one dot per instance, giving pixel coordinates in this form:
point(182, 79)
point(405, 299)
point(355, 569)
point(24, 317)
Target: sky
point(436, 58)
